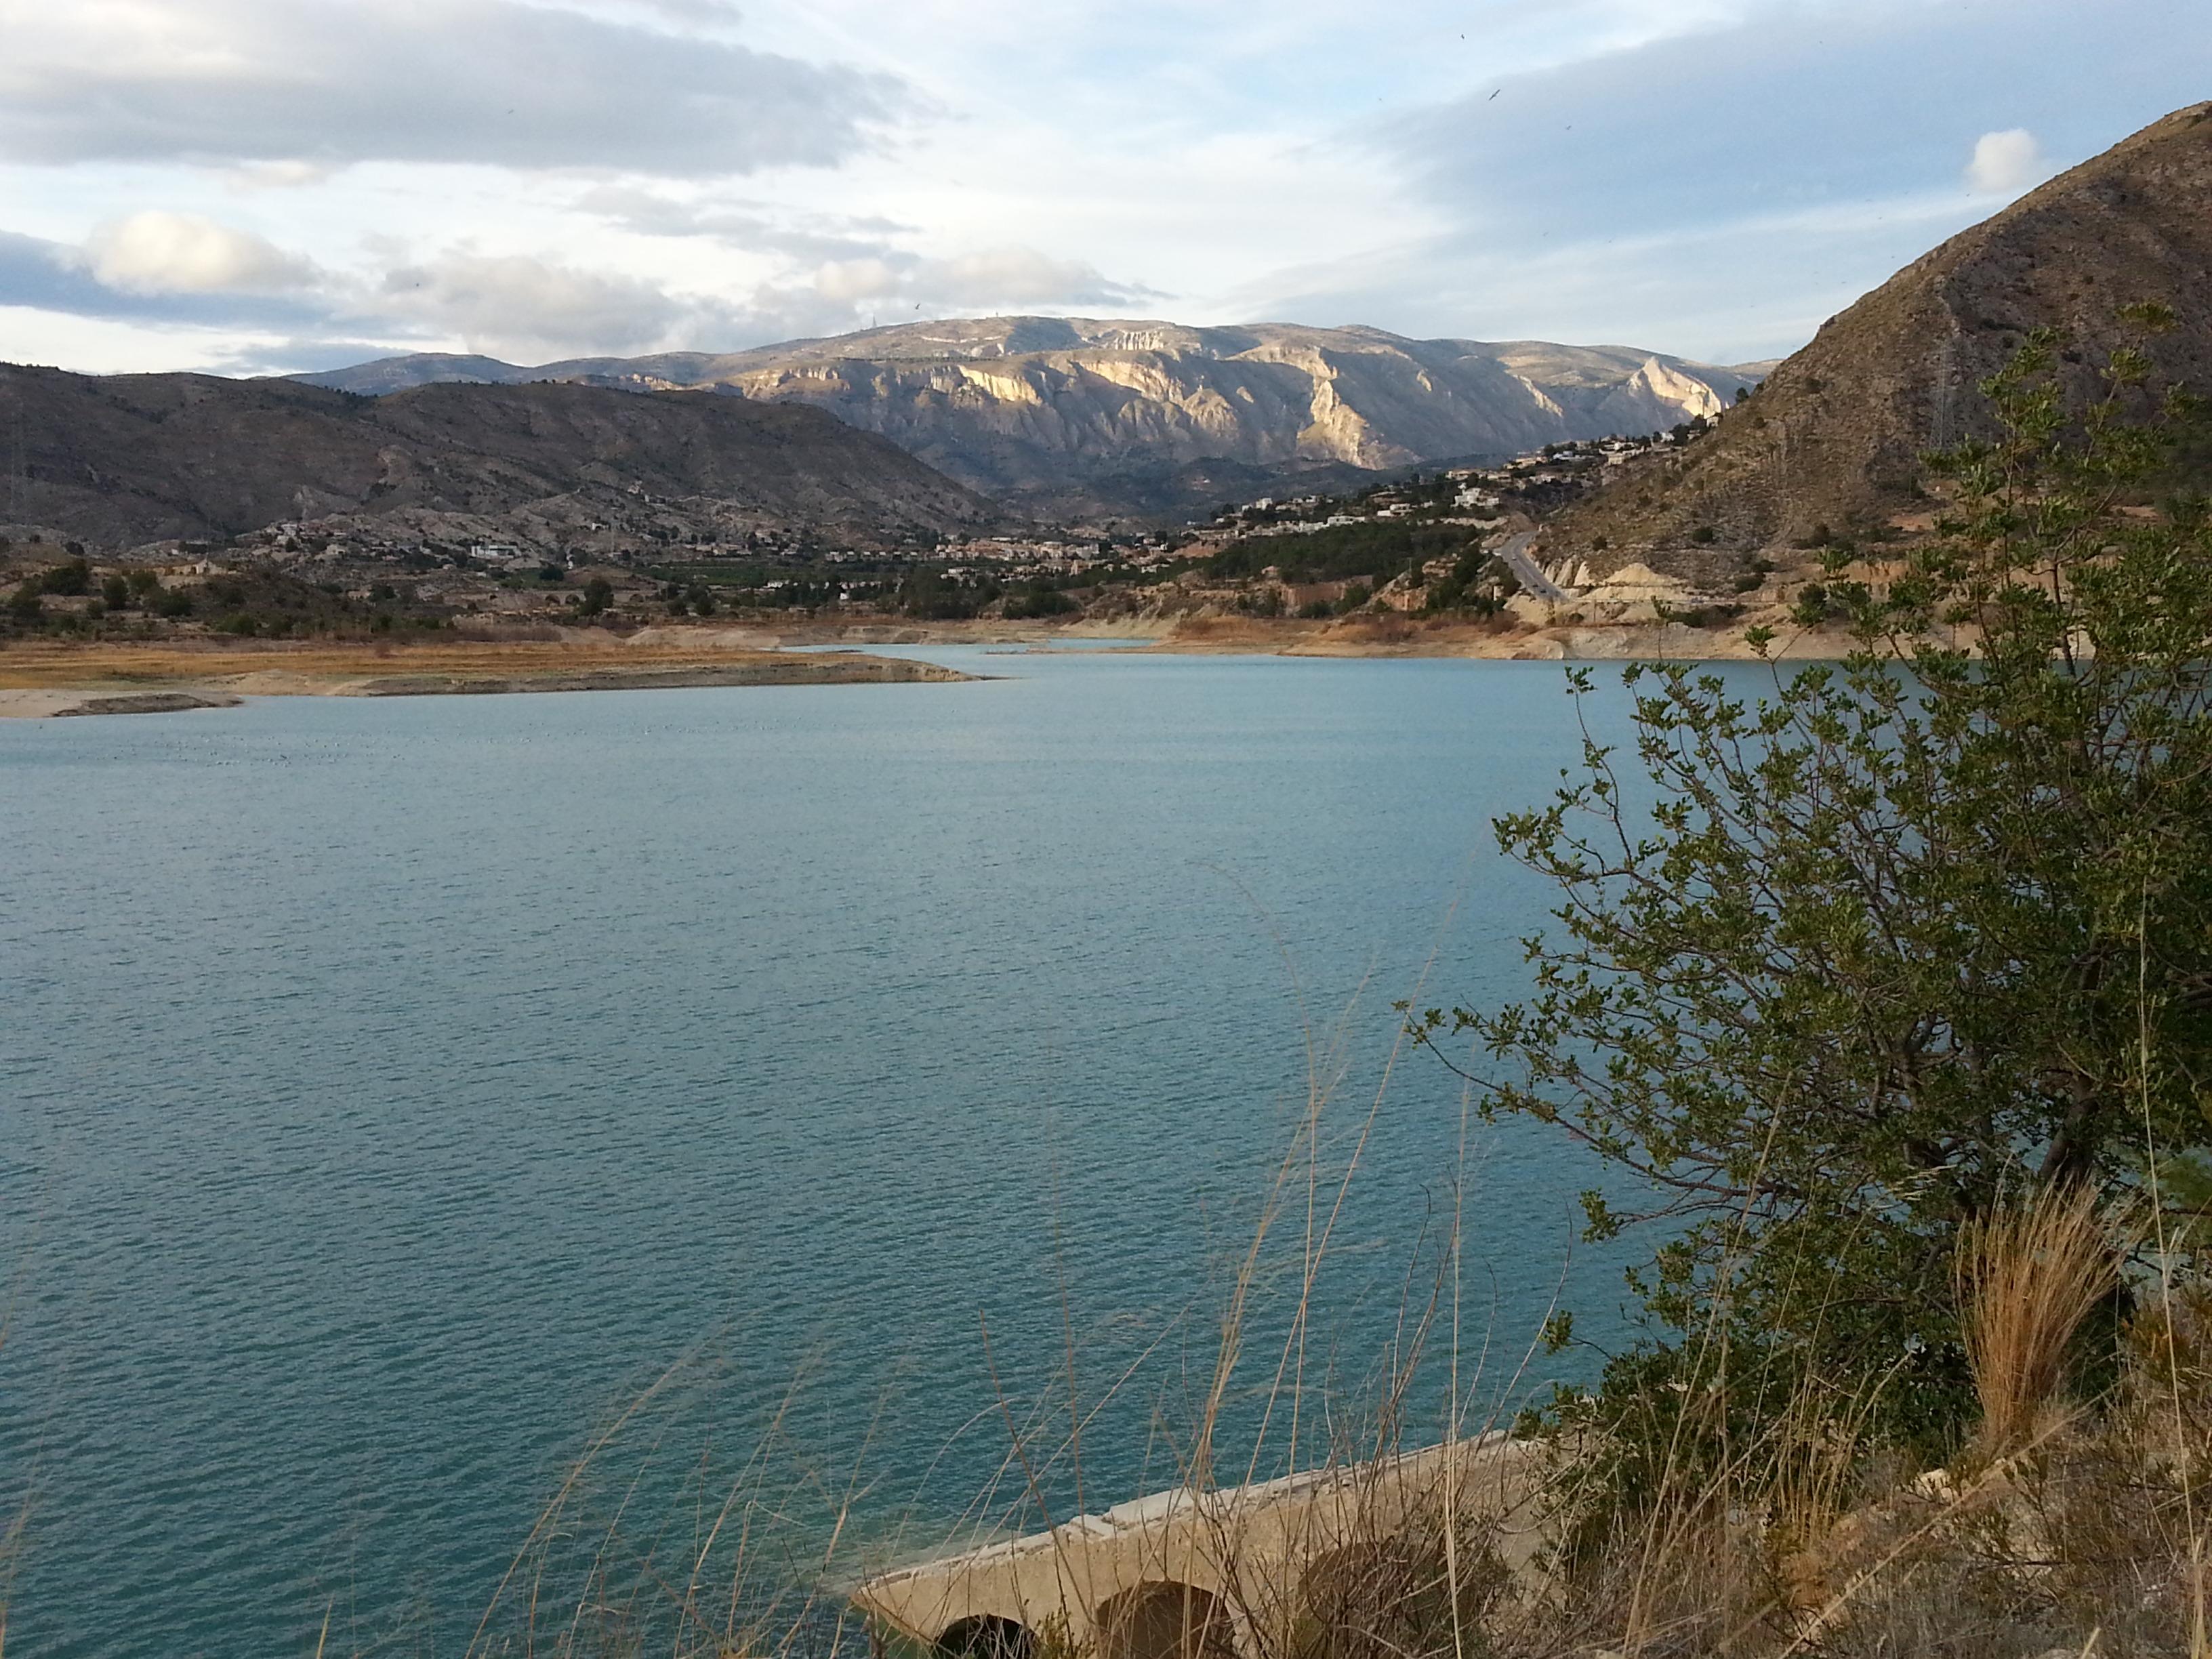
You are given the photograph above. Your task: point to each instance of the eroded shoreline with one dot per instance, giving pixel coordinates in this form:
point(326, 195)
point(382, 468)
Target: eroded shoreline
point(45, 682)
point(159, 677)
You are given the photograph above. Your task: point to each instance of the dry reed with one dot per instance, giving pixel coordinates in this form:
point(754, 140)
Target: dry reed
point(2028, 1277)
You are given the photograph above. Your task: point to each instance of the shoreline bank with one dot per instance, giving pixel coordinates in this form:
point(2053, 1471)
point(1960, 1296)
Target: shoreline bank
point(157, 678)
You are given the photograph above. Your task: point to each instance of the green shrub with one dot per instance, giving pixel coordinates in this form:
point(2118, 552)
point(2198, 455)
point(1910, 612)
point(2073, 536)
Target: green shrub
point(1856, 964)
point(1811, 607)
point(68, 580)
point(1040, 602)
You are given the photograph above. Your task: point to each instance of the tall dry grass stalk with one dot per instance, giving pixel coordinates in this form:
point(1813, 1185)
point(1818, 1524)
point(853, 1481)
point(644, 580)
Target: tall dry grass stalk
point(2057, 1530)
point(2028, 1277)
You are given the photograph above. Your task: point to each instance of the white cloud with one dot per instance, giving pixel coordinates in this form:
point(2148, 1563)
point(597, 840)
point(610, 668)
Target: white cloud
point(747, 227)
point(281, 175)
point(1709, 176)
point(985, 279)
point(518, 305)
point(155, 253)
point(336, 81)
point(2006, 163)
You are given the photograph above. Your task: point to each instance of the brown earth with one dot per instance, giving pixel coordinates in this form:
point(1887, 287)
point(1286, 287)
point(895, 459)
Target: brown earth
point(1363, 636)
point(41, 679)
point(1504, 638)
point(50, 679)
point(1836, 434)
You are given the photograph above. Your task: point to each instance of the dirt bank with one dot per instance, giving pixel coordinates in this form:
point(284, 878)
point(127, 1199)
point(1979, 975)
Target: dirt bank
point(48, 679)
point(1503, 640)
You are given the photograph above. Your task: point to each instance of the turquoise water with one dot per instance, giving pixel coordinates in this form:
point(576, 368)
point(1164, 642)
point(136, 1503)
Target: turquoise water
point(392, 1089)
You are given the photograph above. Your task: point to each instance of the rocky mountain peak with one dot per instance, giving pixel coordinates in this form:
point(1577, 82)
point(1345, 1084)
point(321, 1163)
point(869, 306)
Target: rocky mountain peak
point(1073, 417)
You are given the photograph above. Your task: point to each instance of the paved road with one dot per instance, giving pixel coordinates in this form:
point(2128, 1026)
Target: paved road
point(1514, 552)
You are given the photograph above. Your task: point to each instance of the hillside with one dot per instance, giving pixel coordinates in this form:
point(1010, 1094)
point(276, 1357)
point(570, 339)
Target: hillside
point(121, 460)
point(1071, 416)
point(1835, 435)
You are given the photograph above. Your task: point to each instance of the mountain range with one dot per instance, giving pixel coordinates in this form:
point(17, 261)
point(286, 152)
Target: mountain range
point(893, 433)
point(1835, 435)
point(1067, 417)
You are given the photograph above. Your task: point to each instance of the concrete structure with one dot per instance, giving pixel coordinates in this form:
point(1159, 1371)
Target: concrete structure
point(1217, 1574)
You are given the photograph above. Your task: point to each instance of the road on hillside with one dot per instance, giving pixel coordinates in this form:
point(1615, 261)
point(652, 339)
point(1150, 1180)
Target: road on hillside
point(1515, 551)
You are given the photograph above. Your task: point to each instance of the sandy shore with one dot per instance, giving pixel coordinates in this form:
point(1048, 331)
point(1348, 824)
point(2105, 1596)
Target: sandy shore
point(1350, 636)
point(42, 680)
point(1416, 636)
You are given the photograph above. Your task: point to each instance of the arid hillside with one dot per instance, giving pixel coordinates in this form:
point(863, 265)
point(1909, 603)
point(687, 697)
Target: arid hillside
point(121, 460)
point(1836, 434)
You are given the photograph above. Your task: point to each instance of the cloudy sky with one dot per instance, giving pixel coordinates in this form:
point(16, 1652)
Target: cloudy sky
point(249, 185)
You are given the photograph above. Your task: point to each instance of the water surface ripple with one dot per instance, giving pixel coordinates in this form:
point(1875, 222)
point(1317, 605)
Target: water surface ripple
point(390, 1087)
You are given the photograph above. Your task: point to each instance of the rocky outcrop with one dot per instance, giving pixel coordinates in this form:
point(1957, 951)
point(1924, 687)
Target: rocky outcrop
point(1838, 433)
point(1072, 416)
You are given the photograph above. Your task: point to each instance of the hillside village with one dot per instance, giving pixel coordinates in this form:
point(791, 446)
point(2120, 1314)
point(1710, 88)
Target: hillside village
point(1415, 544)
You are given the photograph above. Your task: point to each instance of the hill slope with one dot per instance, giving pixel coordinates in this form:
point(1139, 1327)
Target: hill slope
point(120, 460)
point(1067, 416)
point(1836, 433)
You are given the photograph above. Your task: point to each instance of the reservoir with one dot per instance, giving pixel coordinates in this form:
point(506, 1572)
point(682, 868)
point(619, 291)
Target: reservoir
point(394, 1090)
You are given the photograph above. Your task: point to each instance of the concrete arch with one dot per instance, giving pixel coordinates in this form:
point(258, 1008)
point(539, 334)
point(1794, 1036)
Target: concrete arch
point(1379, 1598)
point(986, 1636)
point(1164, 1619)
point(1191, 1575)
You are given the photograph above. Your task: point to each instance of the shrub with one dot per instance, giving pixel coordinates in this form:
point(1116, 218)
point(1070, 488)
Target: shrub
point(67, 579)
point(1040, 602)
point(1811, 606)
point(1887, 948)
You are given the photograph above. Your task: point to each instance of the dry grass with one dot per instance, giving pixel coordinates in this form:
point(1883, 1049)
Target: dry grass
point(2027, 1278)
